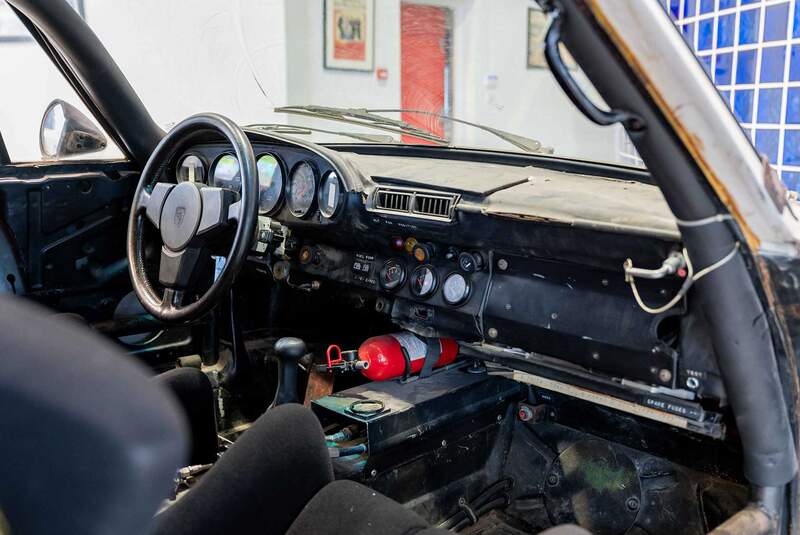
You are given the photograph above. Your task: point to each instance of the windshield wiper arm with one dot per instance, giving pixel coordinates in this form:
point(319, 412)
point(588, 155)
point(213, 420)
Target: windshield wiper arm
point(307, 130)
point(370, 117)
point(521, 142)
point(363, 117)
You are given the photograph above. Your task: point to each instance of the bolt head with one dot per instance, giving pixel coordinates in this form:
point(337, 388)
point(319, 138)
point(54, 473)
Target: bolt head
point(492, 332)
point(552, 480)
point(632, 503)
point(502, 264)
point(373, 473)
point(664, 375)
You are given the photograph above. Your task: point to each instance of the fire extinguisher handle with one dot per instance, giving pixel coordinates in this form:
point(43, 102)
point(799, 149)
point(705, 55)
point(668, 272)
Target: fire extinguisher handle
point(336, 350)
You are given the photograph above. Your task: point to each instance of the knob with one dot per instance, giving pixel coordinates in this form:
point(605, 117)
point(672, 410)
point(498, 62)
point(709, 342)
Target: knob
point(289, 352)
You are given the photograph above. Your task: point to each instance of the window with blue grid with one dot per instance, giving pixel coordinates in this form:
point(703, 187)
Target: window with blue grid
point(751, 50)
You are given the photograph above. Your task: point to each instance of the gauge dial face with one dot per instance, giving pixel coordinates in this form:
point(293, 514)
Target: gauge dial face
point(226, 173)
point(330, 195)
point(270, 183)
point(423, 281)
point(455, 289)
point(392, 275)
point(301, 189)
point(191, 169)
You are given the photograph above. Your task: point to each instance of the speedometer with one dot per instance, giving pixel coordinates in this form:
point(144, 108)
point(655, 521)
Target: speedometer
point(270, 183)
point(225, 173)
point(301, 189)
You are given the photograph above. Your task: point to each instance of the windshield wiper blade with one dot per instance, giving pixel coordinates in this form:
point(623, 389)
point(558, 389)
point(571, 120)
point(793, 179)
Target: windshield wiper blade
point(521, 142)
point(307, 130)
point(363, 117)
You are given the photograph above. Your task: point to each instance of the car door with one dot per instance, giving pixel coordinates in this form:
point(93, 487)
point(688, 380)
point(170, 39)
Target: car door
point(64, 213)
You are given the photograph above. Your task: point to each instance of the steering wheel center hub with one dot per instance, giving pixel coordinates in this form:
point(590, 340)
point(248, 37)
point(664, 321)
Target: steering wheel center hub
point(181, 215)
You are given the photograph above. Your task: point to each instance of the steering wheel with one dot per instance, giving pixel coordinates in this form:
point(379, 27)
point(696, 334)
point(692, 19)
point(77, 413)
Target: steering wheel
point(191, 218)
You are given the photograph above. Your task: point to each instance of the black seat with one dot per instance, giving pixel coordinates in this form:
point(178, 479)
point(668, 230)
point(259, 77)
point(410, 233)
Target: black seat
point(88, 444)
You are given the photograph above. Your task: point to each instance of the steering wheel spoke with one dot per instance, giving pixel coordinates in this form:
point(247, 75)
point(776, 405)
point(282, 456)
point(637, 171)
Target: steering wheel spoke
point(217, 206)
point(234, 212)
point(153, 203)
point(171, 299)
point(177, 268)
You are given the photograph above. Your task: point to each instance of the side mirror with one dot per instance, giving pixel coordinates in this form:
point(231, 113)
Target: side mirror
point(65, 131)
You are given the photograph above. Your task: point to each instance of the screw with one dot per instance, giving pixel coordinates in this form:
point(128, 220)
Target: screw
point(499, 417)
point(632, 503)
point(492, 332)
point(604, 282)
point(444, 443)
point(553, 316)
point(508, 306)
point(373, 473)
point(664, 375)
point(552, 480)
point(692, 382)
point(502, 264)
point(595, 355)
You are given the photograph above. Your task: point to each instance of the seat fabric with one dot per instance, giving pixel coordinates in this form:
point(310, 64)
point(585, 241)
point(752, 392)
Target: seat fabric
point(348, 507)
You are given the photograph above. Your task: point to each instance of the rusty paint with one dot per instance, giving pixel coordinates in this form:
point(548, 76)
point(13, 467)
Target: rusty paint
point(748, 521)
point(692, 144)
point(777, 191)
point(319, 386)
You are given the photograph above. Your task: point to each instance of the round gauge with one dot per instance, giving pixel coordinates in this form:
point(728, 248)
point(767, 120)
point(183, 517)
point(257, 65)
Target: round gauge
point(423, 281)
point(455, 289)
point(270, 183)
point(392, 275)
point(226, 173)
point(330, 195)
point(301, 189)
point(191, 169)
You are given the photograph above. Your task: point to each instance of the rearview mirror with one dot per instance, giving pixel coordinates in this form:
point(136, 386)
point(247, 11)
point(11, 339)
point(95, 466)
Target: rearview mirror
point(65, 131)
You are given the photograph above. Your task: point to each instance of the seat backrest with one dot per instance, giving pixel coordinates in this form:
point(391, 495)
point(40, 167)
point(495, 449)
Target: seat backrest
point(88, 443)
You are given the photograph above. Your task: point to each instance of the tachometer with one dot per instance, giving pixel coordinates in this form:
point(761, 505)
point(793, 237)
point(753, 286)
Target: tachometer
point(330, 195)
point(270, 183)
point(225, 173)
point(455, 289)
point(423, 281)
point(301, 189)
point(191, 169)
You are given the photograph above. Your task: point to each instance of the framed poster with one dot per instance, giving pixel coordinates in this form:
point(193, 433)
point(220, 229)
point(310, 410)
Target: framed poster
point(349, 34)
point(538, 24)
point(12, 29)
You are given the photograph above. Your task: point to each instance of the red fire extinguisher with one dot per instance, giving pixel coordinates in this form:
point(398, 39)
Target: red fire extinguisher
point(396, 355)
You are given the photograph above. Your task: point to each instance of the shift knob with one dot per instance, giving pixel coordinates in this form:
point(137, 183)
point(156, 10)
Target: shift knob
point(290, 349)
point(289, 352)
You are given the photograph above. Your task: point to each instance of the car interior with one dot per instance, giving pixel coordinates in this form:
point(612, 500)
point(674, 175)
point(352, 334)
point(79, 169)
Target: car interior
point(236, 331)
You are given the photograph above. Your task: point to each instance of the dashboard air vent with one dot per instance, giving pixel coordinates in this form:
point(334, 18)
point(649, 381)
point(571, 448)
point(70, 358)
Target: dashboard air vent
point(414, 203)
point(394, 201)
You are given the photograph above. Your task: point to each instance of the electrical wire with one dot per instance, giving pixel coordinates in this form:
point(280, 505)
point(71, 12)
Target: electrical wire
point(691, 278)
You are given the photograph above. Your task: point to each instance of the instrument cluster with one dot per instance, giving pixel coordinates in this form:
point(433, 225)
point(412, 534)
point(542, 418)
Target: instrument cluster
point(297, 185)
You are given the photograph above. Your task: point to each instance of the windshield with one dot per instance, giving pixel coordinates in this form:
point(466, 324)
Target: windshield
point(466, 73)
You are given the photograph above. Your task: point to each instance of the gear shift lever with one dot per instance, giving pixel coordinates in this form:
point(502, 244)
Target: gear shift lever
point(289, 352)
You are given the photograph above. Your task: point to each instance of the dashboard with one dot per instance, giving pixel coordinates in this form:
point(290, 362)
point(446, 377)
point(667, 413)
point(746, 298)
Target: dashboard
point(513, 255)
